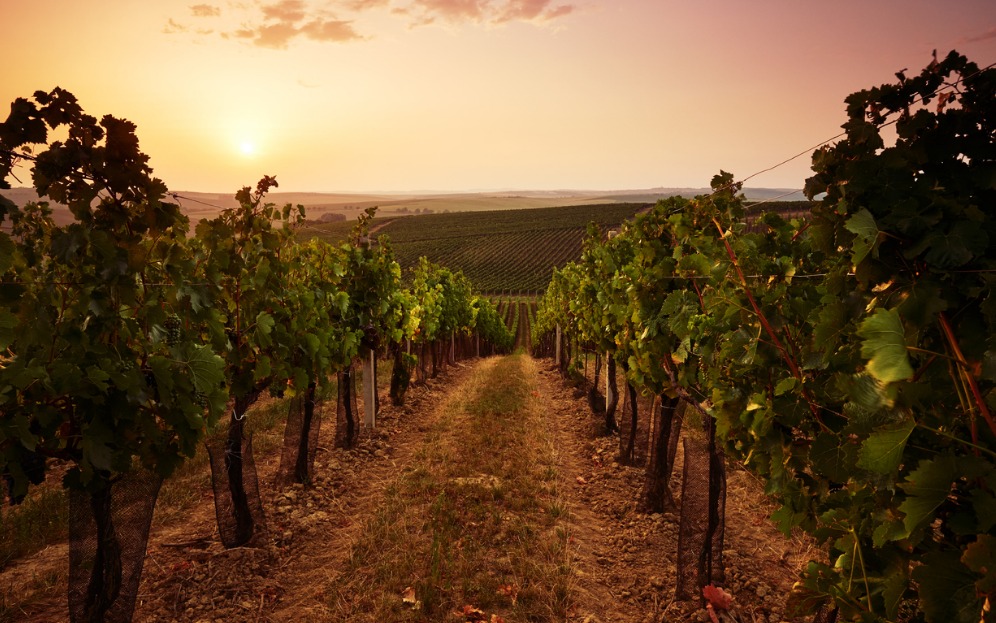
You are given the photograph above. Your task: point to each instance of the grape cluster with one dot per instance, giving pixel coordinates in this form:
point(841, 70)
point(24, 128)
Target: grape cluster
point(172, 326)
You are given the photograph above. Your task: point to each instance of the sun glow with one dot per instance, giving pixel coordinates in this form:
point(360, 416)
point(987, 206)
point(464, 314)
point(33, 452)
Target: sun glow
point(247, 148)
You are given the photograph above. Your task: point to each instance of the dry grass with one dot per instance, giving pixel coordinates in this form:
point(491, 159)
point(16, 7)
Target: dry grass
point(474, 522)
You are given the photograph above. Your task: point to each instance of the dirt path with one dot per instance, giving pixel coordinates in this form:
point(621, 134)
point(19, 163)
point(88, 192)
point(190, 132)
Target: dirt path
point(627, 559)
point(312, 529)
point(550, 533)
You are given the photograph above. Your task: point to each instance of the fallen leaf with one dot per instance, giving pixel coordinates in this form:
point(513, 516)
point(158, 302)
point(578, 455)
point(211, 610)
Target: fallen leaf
point(717, 597)
point(497, 619)
point(408, 595)
point(470, 613)
point(511, 591)
point(581, 480)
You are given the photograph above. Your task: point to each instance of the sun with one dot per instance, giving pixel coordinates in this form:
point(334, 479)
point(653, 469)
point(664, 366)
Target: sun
point(247, 148)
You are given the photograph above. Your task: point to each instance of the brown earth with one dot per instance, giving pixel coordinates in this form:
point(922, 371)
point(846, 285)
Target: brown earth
point(623, 560)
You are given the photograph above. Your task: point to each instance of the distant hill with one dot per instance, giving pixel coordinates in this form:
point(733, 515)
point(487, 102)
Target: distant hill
point(199, 205)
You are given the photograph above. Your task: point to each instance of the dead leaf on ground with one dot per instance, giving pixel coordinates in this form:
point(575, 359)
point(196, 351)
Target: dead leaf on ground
point(509, 590)
point(717, 597)
point(470, 613)
point(581, 480)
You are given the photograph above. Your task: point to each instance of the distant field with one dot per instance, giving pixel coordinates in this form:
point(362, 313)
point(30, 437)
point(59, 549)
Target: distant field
point(500, 250)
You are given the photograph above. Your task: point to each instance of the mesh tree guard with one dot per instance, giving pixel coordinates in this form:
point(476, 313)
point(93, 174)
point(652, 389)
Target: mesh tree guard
point(347, 414)
point(703, 509)
point(826, 614)
point(237, 504)
point(108, 534)
point(304, 421)
point(665, 423)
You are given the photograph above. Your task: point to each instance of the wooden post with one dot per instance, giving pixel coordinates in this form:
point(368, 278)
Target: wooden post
point(370, 391)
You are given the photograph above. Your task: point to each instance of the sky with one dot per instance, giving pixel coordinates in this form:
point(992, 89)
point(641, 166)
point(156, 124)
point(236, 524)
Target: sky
point(477, 95)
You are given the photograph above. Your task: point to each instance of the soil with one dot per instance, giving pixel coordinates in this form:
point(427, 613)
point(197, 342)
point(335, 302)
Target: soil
point(624, 559)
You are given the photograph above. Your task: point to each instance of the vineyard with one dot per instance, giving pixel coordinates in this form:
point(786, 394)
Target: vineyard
point(266, 419)
point(499, 251)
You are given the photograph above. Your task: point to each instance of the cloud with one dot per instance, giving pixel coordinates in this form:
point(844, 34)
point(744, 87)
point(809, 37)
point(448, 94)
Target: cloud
point(282, 23)
point(364, 5)
point(205, 10)
point(986, 36)
point(483, 11)
point(330, 30)
point(532, 10)
point(286, 11)
point(172, 28)
point(276, 24)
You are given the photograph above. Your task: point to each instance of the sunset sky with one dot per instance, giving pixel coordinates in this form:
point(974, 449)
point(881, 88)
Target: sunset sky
point(412, 95)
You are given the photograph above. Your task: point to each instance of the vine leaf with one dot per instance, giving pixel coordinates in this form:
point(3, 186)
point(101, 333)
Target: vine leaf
point(8, 323)
point(981, 558)
point(882, 451)
point(947, 589)
point(926, 488)
point(831, 458)
point(884, 346)
point(207, 369)
point(862, 225)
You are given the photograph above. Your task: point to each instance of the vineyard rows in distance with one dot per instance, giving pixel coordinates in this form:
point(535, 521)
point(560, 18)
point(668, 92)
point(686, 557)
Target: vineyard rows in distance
point(500, 250)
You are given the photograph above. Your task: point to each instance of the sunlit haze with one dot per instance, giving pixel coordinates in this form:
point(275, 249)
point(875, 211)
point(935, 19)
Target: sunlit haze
point(406, 95)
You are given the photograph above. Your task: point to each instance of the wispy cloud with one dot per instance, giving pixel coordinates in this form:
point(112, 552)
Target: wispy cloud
point(287, 20)
point(986, 36)
point(277, 23)
point(205, 10)
point(286, 11)
point(487, 11)
point(172, 28)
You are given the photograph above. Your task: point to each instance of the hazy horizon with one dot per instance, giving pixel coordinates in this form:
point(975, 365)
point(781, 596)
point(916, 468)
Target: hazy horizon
point(431, 96)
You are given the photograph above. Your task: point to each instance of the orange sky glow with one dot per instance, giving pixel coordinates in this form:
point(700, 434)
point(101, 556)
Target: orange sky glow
point(453, 95)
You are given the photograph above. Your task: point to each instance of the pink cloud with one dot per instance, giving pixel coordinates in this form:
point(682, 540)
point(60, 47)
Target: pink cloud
point(528, 10)
point(172, 28)
point(330, 30)
point(986, 36)
point(276, 23)
point(493, 11)
point(285, 11)
point(205, 10)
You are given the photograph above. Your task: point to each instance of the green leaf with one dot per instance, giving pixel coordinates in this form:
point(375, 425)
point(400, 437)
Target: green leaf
point(265, 323)
point(785, 385)
point(893, 588)
point(984, 504)
point(882, 451)
point(926, 489)
point(980, 557)
point(947, 589)
point(862, 225)
point(98, 377)
point(207, 368)
point(884, 346)
point(831, 458)
point(8, 322)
